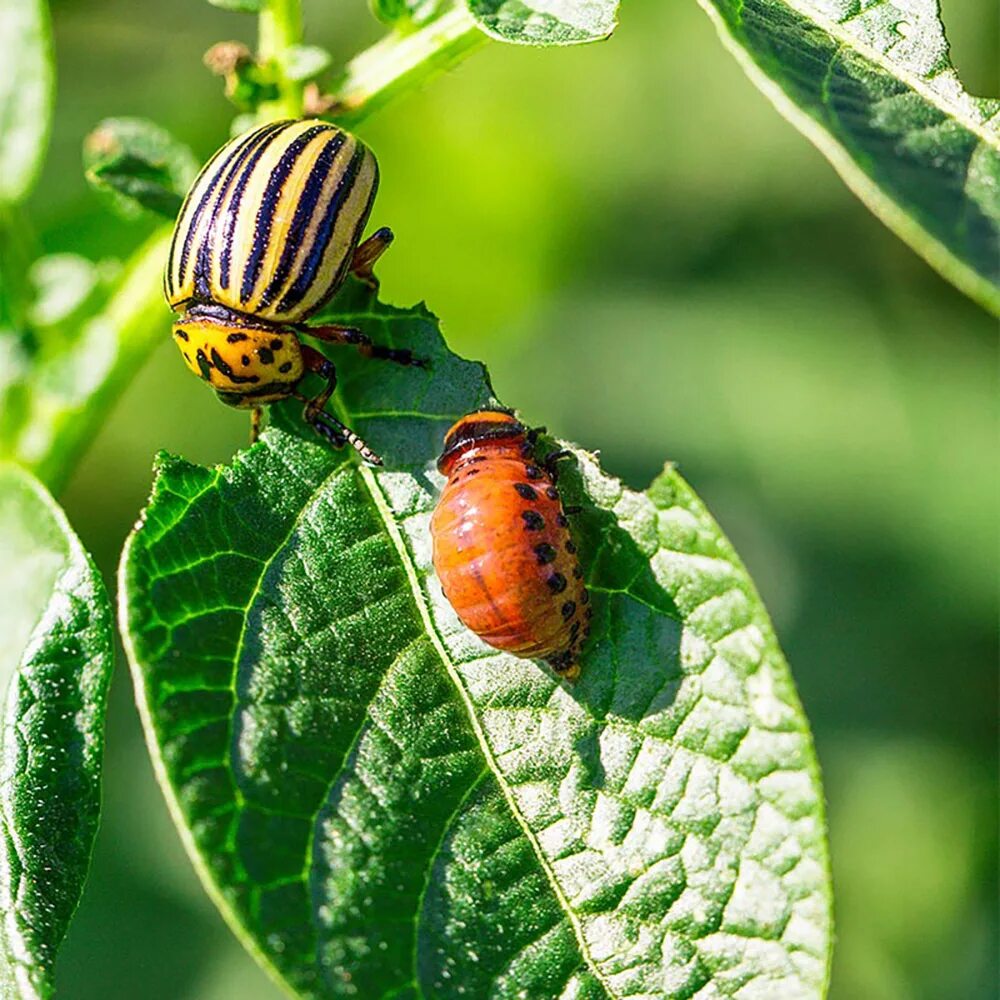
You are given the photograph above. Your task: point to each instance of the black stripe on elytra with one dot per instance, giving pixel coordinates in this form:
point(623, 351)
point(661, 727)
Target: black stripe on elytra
point(304, 209)
point(307, 274)
point(268, 205)
point(233, 211)
point(223, 174)
point(359, 228)
point(215, 167)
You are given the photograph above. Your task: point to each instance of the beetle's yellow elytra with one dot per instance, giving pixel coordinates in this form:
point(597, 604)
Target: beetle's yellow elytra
point(270, 225)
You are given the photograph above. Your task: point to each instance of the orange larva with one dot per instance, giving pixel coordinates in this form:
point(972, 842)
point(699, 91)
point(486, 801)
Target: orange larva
point(502, 545)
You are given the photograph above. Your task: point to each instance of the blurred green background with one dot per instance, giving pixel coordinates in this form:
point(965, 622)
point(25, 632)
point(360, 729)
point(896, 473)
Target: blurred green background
point(654, 264)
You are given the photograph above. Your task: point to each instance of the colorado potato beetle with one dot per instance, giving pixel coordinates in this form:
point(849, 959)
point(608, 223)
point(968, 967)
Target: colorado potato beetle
point(268, 232)
point(503, 550)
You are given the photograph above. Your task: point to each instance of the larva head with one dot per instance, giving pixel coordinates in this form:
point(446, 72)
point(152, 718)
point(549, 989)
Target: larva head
point(246, 364)
point(497, 430)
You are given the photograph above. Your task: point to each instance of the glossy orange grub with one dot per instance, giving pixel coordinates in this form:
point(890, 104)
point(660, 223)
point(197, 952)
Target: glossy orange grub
point(502, 546)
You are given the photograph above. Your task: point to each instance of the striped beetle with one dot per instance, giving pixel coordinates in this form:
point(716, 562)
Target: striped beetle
point(267, 234)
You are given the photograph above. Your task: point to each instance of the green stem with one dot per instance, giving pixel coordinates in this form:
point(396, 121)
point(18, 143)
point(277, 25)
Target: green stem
point(401, 62)
point(279, 28)
point(120, 337)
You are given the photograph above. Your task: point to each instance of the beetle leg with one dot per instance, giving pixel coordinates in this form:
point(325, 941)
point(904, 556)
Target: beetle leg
point(551, 459)
point(351, 337)
point(368, 253)
point(314, 414)
point(255, 414)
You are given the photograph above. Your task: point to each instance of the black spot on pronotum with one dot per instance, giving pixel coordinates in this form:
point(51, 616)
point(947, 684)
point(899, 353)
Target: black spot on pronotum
point(266, 356)
point(276, 344)
point(235, 338)
point(545, 553)
point(285, 368)
point(533, 521)
point(526, 491)
point(532, 472)
point(568, 610)
point(204, 365)
point(557, 583)
point(182, 334)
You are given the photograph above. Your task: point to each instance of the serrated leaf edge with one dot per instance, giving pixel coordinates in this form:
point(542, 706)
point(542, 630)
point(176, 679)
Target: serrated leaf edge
point(163, 780)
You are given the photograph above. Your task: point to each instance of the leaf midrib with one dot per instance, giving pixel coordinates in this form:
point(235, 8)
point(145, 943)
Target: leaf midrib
point(413, 579)
point(916, 83)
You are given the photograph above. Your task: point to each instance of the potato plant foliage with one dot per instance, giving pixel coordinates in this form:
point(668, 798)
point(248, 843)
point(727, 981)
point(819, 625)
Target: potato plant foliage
point(383, 806)
point(379, 804)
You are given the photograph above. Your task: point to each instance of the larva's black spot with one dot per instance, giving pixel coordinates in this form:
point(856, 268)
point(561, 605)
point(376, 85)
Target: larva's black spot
point(182, 334)
point(586, 633)
point(276, 345)
point(552, 493)
point(574, 631)
point(526, 491)
point(561, 521)
point(533, 472)
point(533, 521)
point(235, 338)
point(545, 553)
point(589, 613)
point(557, 583)
point(577, 573)
point(585, 599)
point(246, 361)
point(266, 356)
point(285, 368)
point(570, 547)
point(568, 610)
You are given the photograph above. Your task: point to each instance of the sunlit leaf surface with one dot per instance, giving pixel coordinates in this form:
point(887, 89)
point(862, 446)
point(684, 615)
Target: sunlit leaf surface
point(26, 87)
point(55, 663)
point(872, 85)
point(383, 806)
point(546, 22)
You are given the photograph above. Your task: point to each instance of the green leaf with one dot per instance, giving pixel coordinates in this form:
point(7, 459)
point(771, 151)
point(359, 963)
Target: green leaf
point(383, 806)
point(55, 663)
point(27, 85)
point(545, 22)
point(407, 12)
point(64, 284)
point(873, 87)
point(240, 6)
point(57, 385)
point(306, 62)
point(138, 166)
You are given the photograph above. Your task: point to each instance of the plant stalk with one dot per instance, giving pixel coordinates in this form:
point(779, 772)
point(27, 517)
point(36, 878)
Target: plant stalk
point(279, 28)
point(403, 61)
